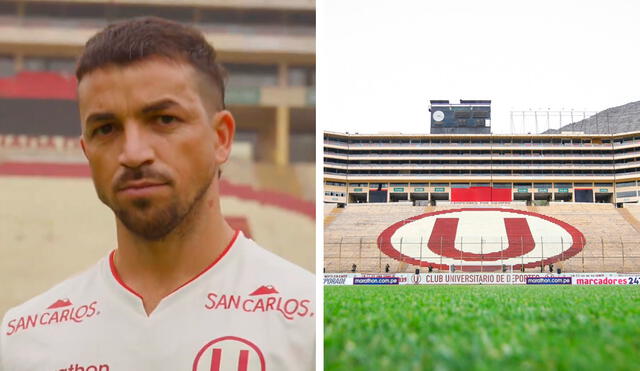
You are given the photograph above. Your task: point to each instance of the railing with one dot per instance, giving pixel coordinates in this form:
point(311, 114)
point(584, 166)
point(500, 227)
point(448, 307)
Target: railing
point(467, 155)
point(475, 166)
point(457, 144)
point(604, 177)
point(481, 254)
point(536, 155)
point(238, 28)
point(42, 142)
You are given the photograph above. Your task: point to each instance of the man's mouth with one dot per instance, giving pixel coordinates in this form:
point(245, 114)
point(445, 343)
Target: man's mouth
point(140, 188)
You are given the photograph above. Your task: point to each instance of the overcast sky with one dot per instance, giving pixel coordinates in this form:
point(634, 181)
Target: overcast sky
point(380, 62)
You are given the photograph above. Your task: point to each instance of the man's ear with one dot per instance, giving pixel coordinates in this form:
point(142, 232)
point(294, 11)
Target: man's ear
point(224, 129)
point(84, 150)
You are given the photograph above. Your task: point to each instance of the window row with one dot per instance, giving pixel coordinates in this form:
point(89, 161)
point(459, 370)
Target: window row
point(108, 11)
point(239, 74)
point(495, 172)
point(495, 185)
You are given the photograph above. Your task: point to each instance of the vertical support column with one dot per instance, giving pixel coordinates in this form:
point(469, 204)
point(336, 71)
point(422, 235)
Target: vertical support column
point(360, 254)
point(602, 244)
point(561, 254)
point(521, 254)
point(622, 251)
point(501, 257)
point(401, 256)
point(440, 252)
point(281, 155)
point(380, 259)
point(582, 244)
point(20, 13)
point(388, 192)
point(266, 145)
point(197, 15)
point(461, 252)
point(283, 79)
point(541, 255)
point(481, 256)
point(340, 255)
point(346, 191)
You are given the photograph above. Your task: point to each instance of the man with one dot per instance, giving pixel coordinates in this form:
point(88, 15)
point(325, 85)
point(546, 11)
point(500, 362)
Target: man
point(182, 291)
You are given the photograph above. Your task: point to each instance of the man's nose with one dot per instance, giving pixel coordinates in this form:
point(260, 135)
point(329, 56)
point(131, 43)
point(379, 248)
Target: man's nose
point(136, 149)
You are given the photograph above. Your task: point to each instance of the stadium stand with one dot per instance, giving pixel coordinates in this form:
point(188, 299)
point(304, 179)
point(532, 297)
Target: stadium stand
point(583, 177)
point(611, 242)
point(632, 215)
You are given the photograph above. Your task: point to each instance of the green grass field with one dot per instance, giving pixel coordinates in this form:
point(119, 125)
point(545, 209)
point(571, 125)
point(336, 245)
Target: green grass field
point(482, 328)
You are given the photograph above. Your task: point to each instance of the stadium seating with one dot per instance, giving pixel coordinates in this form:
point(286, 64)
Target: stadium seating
point(607, 233)
point(295, 180)
point(330, 213)
point(611, 240)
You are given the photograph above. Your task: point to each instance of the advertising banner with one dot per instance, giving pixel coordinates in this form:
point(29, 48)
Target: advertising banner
point(338, 279)
point(605, 279)
point(375, 280)
point(468, 278)
point(549, 280)
point(476, 278)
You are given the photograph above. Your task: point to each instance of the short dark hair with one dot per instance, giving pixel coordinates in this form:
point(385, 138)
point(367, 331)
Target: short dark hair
point(133, 40)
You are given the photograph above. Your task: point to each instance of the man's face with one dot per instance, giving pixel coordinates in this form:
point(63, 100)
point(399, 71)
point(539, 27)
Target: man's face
point(150, 142)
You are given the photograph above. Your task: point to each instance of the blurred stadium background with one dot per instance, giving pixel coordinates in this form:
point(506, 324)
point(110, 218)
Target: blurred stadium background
point(52, 224)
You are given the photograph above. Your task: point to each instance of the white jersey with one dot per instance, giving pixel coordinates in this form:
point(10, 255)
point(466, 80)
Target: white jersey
point(250, 310)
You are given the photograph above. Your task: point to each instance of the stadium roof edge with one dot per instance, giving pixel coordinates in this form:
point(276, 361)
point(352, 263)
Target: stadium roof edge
point(73, 40)
point(557, 135)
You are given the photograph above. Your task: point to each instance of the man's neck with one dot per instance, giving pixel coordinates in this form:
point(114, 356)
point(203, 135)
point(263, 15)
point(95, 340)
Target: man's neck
point(155, 269)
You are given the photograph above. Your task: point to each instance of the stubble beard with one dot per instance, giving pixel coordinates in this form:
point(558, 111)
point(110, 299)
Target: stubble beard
point(149, 221)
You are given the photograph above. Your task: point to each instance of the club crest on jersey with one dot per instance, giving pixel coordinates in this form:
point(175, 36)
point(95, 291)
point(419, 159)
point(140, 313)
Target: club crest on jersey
point(60, 311)
point(264, 299)
point(229, 353)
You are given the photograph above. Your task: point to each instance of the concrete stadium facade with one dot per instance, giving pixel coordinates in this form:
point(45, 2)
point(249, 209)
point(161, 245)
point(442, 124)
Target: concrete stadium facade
point(430, 168)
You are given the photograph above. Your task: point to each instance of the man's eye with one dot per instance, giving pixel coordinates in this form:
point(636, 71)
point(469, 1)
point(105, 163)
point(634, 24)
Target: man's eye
point(166, 119)
point(104, 129)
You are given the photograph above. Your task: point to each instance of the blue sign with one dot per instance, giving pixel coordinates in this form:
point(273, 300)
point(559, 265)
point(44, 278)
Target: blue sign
point(549, 280)
point(375, 280)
